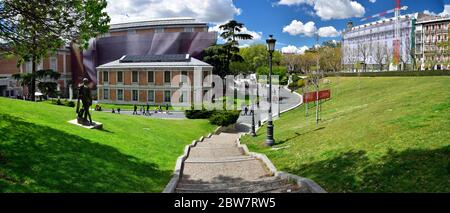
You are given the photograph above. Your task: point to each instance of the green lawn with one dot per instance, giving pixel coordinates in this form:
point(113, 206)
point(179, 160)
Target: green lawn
point(388, 134)
point(41, 152)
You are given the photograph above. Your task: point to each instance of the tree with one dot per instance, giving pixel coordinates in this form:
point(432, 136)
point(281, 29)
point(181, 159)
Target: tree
point(216, 56)
point(364, 49)
point(231, 34)
point(36, 28)
point(330, 57)
point(292, 62)
point(46, 81)
point(257, 56)
point(380, 55)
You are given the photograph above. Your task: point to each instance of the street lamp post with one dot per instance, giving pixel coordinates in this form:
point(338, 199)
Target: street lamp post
point(271, 48)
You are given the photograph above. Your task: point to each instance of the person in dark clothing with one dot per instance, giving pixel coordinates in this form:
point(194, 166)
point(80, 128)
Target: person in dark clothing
point(135, 110)
point(245, 110)
point(118, 110)
point(167, 107)
point(148, 109)
point(113, 111)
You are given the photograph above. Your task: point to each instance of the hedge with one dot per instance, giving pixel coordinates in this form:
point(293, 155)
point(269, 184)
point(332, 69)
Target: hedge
point(391, 73)
point(220, 118)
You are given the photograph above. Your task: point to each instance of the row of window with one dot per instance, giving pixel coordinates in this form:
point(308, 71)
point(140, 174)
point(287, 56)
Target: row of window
point(53, 65)
point(150, 76)
point(150, 95)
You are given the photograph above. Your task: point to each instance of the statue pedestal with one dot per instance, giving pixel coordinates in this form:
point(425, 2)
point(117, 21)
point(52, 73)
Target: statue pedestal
point(94, 125)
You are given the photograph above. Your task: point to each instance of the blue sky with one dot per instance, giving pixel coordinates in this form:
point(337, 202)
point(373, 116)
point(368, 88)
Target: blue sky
point(292, 22)
point(268, 17)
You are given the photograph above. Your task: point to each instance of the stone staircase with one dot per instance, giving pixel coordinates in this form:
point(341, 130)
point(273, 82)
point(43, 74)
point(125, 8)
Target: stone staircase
point(218, 165)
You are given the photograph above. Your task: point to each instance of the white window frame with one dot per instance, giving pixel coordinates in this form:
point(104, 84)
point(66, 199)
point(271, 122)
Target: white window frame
point(153, 75)
point(189, 29)
point(118, 99)
point(148, 96)
point(137, 82)
point(132, 95)
point(117, 77)
point(170, 77)
point(55, 64)
point(159, 30)
point(105, 73)
point(170, 96)
point(105, 94)
point(181, 77)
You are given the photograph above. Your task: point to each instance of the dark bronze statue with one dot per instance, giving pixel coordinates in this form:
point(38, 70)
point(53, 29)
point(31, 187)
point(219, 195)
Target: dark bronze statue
point(84, 94)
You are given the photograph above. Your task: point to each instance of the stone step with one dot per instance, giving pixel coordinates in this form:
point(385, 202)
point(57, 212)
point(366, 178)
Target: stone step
point(214, 152)
point(219, 159)
point(215, 144)
point(224, 171)
point(267, 185)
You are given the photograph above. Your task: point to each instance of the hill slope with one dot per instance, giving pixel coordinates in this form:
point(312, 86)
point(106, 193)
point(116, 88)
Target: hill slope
point(388, 134)
point(41, 152)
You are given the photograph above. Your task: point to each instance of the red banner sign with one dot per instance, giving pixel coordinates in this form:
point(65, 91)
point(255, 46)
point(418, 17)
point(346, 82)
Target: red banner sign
point(312, 96)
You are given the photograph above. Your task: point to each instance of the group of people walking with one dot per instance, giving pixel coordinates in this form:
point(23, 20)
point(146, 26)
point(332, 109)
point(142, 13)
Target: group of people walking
point(246, 109)
point(145, 110)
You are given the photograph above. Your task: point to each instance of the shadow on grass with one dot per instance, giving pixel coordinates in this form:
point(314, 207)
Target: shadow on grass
point(41, 159)
point(411, 170)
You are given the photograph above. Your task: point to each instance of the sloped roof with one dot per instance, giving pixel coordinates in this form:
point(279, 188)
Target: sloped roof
point(192, 62)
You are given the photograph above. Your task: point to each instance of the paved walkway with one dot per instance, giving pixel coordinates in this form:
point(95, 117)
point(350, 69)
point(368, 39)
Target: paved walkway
point(288, 101)
point(218, 165)
point(160, 115)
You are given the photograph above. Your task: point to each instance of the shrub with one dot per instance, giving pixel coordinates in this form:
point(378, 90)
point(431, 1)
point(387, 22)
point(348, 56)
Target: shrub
point(224, 118)
point(220, 118)
point(70, 104)
point(198, 114)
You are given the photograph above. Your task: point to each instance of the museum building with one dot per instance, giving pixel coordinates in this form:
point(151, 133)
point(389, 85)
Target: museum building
point(153, 79)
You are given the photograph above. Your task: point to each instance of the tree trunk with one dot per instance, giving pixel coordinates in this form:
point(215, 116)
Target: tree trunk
point(33, 73)
point(33, 79)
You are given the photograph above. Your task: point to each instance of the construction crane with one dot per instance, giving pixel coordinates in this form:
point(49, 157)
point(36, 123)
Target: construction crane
point(397, 32)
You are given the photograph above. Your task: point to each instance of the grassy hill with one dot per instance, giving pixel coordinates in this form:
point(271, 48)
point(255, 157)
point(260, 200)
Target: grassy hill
point(388, 134)
point(41, 152)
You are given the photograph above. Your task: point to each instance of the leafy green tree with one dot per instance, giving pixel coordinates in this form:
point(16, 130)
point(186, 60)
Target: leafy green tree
point(257, 56)
point(36, 28)
point(46, 81)
point(243, 67)
point(276, 70)
point(216, 56)
point(231, 34)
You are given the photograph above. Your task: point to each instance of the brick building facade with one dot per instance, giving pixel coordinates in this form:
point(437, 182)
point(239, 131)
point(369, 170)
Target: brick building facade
point(153, 82)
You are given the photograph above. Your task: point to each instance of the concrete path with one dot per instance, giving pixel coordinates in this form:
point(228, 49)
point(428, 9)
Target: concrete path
point(160, 115)
point(218, 165)
point(288, 100)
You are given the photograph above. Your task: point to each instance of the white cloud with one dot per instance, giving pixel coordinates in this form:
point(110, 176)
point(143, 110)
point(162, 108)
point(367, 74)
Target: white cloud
point(326, 9)
point(427, 12)
point(298, 28)
point(309, 29)
point(291, 49)
point(211, 11)
point(446, 11)
point(328, 32)
point(372, 1)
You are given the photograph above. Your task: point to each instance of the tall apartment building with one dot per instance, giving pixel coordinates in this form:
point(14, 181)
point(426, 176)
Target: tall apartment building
point(373, 43)
point(432, 42)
